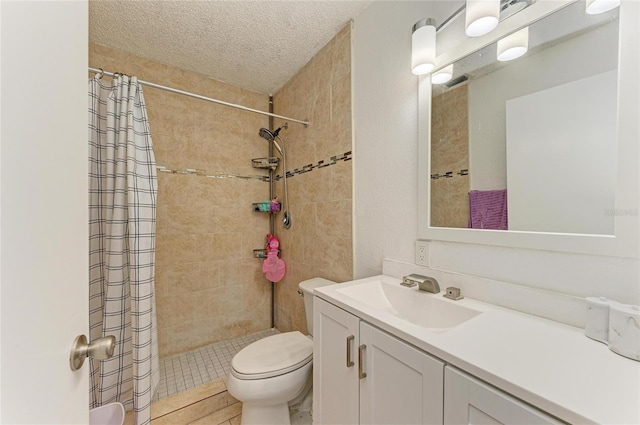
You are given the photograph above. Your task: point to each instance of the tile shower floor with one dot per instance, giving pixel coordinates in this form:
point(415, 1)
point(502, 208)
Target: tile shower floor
point(188, 370)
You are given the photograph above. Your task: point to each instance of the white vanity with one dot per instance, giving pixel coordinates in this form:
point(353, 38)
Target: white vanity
point(386, 354)
point(381, 357)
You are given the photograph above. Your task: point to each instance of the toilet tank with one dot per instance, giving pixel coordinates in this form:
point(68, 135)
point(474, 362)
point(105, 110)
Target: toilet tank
point(307, 286)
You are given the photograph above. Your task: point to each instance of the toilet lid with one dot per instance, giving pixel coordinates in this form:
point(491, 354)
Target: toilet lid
point(272, 356)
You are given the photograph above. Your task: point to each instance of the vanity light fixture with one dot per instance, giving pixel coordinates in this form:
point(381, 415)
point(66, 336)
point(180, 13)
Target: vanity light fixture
point(514, 45)
point(600, 6)
point(423, 46)
point(443, 75)
point(481, 17)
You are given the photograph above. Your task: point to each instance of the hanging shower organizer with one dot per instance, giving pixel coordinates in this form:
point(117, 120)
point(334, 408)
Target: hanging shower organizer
point(273, 206)
point(269, 163)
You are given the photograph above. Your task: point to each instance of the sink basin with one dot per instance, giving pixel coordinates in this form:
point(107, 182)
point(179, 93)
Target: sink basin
point(421, 308)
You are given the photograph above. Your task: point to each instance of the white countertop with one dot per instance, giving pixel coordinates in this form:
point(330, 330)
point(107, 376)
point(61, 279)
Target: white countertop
point(550, 365)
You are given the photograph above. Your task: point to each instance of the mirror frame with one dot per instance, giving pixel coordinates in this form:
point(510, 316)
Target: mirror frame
point(625, 242)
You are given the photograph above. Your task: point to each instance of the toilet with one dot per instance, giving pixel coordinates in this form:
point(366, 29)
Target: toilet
point(270, 373)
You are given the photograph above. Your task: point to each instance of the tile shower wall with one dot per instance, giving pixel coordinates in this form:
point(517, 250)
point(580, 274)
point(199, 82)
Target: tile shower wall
point(319, 243)
point(208, 286)
point(450, 159)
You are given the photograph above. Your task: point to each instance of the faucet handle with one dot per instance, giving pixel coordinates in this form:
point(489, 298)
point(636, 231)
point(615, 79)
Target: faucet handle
point(453, 293)
point(409, 281)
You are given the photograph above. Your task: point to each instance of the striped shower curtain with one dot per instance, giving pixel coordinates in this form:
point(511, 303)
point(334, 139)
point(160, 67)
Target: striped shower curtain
point(122, 221)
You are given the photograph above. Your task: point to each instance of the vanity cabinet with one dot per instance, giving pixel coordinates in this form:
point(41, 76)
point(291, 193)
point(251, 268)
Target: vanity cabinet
point(364, 375)
point(403, 385)
point(336, 339)
point(471, 401)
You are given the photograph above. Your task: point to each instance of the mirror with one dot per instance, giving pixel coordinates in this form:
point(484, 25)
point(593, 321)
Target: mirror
point(620, 240)
point(530, 144)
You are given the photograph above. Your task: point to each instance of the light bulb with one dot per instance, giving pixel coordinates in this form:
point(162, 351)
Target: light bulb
point(481, 17)
point(443, 75)
point(423, 47)
point(600, 6)
point(513, 46)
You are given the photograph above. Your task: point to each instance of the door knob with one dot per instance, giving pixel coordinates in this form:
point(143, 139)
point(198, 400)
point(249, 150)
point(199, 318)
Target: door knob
point(101, 349)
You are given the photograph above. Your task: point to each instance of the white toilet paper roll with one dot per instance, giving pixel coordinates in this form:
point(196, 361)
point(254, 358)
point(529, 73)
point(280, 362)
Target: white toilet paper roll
point(624, 330)
point(597, 320)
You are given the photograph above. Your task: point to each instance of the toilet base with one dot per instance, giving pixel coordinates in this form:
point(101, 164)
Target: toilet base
point(277, 414)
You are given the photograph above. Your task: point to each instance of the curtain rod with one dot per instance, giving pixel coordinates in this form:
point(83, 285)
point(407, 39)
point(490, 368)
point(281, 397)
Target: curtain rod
point(209, 99)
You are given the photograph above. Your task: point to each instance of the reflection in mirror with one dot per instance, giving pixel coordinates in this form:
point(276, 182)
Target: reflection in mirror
point(530, 144)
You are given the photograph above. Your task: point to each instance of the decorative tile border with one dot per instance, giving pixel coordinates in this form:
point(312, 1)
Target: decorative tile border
point(449, 174)
point(320, 164)
point(213, 175)
point(221, 175)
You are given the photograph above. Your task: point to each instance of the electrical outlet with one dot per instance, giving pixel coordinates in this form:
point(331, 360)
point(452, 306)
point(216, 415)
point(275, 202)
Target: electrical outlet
point(421, 253)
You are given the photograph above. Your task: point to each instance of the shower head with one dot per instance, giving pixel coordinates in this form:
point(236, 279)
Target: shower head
point(271, 136)
point(267, 134)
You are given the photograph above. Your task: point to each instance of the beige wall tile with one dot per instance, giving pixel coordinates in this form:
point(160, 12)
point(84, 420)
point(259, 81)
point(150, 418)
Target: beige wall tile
point(208, 285)
point(340, 182)
point(334, 218)
point(205, 226)
point(192, 277)
point(320, 241)
point(181, 219)
point(450, 153)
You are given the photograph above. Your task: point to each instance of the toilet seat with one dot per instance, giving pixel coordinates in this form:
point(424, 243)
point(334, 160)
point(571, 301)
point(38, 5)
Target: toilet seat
point(272, 356)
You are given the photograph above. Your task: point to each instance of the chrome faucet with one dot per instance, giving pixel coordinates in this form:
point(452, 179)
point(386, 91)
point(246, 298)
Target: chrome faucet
point(425, 283)
point(429, 284)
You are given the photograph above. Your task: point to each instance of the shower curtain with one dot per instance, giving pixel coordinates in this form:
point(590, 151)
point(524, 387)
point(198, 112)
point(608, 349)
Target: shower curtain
point(122, 220)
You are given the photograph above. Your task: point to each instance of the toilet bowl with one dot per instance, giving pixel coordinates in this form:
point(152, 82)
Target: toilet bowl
point(270, 373)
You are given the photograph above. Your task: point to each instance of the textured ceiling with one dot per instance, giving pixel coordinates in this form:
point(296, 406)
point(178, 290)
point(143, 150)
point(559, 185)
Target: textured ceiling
point(257, 45)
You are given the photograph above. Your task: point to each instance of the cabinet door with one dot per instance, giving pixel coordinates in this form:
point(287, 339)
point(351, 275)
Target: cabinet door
point(335, 365)
point(403, 385)
point(468, 400)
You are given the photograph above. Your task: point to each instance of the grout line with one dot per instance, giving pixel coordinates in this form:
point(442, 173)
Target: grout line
point(181, 372)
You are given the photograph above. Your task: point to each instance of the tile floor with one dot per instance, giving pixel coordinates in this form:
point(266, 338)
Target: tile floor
point(181, 372)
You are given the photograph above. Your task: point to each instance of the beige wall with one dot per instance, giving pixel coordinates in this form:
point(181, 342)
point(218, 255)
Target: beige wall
point(208, 286)
point(319, 243)
point(450, 153)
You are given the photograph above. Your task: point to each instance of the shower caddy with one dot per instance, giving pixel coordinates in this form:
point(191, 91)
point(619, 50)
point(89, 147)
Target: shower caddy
point(272, 206)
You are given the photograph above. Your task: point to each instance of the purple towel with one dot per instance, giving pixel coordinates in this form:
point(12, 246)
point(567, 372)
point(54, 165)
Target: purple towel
point(488, 209)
